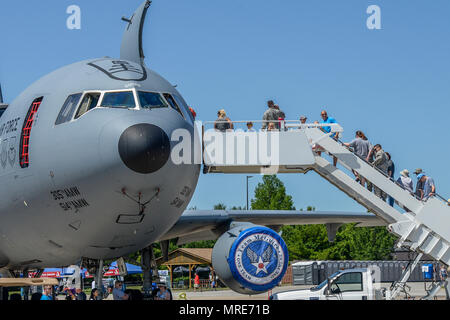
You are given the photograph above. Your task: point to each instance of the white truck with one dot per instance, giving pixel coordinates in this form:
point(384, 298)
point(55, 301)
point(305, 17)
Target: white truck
point(353, 284)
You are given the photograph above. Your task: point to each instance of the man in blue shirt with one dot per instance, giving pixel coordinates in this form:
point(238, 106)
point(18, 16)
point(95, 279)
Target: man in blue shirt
point(118, 292)
point(327, 119)
point(419, 186)
point(335, 136)
point(47, 295)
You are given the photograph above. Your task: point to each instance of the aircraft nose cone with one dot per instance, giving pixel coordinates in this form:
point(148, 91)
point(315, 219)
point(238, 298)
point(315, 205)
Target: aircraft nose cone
point(144, 148)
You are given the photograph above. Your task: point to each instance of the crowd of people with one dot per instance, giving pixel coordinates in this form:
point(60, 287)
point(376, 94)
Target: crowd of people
point(116, 292)
point(271, 120)
point(274, 118)
point(382, 160)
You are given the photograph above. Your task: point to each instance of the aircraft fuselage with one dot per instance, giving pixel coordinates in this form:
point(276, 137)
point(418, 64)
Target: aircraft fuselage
point(100, 183)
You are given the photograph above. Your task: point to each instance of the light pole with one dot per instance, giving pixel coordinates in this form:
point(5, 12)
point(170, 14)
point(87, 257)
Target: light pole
point(248, 177)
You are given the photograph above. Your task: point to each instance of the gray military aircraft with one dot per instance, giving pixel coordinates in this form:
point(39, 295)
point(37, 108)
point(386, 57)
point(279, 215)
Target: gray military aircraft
point(86, 176)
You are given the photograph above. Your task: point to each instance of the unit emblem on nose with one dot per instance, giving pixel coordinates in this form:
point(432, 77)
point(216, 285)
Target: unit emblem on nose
point(12, 151)
point(121, 70)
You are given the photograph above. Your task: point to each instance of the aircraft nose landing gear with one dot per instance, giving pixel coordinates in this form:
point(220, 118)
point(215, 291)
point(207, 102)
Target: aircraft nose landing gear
point(150, 267)
point(96, 268)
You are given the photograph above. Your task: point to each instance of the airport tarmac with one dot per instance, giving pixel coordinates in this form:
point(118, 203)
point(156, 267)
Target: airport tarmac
point(417, 291)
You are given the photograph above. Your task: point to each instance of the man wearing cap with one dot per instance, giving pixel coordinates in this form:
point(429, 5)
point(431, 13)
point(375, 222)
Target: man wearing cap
point(162, 294)
point(429, 188)
point(405, 181)
point(303, 120)
point(419, 185)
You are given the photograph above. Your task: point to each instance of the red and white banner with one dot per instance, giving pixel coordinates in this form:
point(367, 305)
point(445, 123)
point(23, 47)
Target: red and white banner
point(56, 274)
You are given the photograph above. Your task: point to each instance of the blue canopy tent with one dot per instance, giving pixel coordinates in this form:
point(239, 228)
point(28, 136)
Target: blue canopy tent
point(131, 269)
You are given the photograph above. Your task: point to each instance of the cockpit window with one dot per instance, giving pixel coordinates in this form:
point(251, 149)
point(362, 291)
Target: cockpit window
point(183, 104)
point(68, 108)
point(119, 100)
point(173, 103)
point(2, 110)
point(89, 102)
point(151, 100)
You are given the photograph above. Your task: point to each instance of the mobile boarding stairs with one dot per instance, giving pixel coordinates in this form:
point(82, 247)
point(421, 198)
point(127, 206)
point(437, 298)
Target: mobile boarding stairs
point(296, 148)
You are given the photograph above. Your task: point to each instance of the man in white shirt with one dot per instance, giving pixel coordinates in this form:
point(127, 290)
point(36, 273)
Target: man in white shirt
point(405, 181)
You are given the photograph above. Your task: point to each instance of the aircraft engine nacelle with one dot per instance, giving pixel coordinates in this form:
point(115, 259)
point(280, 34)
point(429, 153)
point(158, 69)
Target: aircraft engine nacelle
point(250, 259)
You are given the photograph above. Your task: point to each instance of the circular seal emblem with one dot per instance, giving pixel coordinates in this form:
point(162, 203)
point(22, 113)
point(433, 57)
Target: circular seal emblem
point(258, 259)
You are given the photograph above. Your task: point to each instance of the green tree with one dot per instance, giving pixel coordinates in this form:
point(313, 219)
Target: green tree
point(305, 242)
point(367, 243)
point(201, 244)
point(352, 243)
point(271, 195)
point(220, 206)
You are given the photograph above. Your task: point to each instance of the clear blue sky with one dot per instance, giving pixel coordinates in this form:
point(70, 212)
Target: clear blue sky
point(307, 55)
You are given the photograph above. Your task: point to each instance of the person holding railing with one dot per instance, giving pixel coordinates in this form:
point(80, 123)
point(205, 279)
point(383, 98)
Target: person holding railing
point(391, 173)
point(381, 163)
point(303, 120)
point(327, 119)
point(429, 188)
point(370, 159)
point(419, 185)
point(405, 181)
point(335, 136)
point(223, 123)
point(361, 147)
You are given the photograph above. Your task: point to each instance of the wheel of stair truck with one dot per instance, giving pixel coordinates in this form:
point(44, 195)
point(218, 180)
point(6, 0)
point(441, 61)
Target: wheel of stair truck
point(250, 259)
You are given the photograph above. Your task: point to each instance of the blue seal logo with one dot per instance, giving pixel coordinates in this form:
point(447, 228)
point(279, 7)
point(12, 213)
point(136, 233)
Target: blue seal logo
point(258, 259)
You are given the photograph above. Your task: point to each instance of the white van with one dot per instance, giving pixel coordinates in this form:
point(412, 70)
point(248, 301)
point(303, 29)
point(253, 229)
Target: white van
point(353, 284)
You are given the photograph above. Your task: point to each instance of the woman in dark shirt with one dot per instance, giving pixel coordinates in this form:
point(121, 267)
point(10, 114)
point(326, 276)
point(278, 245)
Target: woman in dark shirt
point(223, 123)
